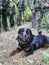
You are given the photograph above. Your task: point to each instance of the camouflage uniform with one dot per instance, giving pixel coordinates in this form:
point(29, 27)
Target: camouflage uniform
point(40, 11)
point(46, 12)
point(36, 16)
point(21, 8)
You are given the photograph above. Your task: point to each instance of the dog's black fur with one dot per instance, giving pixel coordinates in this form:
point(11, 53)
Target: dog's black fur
point(29, 42)
point(40, 40)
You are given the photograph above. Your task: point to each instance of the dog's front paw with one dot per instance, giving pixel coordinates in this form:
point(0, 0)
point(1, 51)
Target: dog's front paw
point(7, 56)
point(23, 54)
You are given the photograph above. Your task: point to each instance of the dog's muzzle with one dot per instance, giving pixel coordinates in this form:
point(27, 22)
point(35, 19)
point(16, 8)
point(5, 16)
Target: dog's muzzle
point(23, 39)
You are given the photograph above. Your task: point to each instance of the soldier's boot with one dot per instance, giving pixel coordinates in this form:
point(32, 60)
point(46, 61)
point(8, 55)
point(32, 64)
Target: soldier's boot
point(18, 22)
point(12, 23)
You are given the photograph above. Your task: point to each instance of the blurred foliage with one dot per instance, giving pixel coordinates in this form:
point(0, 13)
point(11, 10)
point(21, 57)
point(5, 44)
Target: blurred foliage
point(27, 14)
point(43, 22)
point(15, 1)
point(46, 56)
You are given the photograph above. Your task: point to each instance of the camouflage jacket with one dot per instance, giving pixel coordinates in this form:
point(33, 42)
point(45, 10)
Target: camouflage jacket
point(35, 4)
point(43, 2)
point(38, 4)
point(21, 4)
point(11, 9)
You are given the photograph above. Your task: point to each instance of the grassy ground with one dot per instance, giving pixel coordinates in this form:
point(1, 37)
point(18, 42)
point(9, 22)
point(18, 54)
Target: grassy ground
point(8, 43)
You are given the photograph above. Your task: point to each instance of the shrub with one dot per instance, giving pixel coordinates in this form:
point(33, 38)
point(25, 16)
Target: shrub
point(15, 1)
point(27, 14)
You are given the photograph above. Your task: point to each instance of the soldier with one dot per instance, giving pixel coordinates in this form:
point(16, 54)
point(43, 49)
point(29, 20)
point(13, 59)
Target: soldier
point(40, 8)
point(8, 12)
point(38, 13)
point(21, 8)
point(45, 7)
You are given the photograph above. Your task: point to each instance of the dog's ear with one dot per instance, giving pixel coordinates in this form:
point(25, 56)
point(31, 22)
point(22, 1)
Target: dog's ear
point(19, 31)
point(17, 38)
point(30, 32)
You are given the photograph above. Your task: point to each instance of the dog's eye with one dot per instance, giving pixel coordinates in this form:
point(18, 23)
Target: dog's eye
point(28, 36)
point(28, 32)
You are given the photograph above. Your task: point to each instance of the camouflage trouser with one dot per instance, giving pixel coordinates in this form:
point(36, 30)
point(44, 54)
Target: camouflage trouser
point(38, 20)
point(11, 20)
point(33, 20)
point(4, 20)
point(46, 14)
point(19, 19)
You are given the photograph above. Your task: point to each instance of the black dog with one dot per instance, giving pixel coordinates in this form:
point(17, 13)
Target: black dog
point(25, 39)
point(29, 42)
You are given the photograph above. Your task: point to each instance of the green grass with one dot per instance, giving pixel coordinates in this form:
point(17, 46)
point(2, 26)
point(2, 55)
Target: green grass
point(46, 56)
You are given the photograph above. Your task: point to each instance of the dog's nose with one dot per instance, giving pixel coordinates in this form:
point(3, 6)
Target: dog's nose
point(24, 38)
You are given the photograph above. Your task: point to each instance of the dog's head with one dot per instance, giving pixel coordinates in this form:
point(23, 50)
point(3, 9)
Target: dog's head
point(24, 35)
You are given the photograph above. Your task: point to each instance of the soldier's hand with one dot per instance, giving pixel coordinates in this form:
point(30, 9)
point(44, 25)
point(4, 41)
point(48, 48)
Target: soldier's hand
point(46, 5)
point(33, 10)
